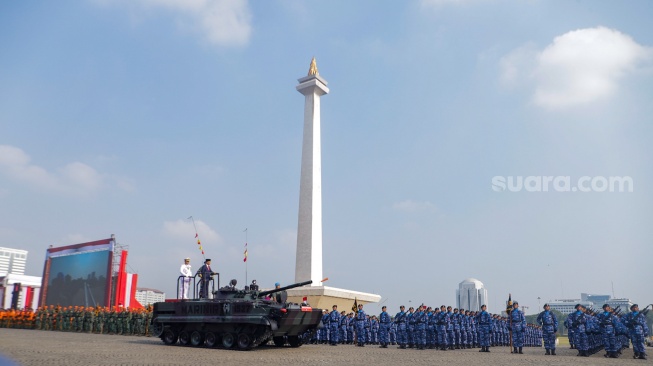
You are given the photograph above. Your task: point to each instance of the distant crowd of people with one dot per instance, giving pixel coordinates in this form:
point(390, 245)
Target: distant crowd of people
point(100, 319)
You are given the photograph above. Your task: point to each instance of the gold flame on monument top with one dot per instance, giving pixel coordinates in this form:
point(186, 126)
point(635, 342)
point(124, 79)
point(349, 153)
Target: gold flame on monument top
point(313, 69)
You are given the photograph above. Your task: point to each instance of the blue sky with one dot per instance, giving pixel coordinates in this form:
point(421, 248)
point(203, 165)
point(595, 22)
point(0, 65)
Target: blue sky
point(127, 117)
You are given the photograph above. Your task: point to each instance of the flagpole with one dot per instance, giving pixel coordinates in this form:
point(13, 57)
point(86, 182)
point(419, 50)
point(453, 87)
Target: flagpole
point(510, 319)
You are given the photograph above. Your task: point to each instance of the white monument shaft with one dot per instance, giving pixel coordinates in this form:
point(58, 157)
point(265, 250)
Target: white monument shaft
point(309, 228)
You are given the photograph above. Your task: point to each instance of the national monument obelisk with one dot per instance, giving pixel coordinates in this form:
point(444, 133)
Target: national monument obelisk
point(308, 265)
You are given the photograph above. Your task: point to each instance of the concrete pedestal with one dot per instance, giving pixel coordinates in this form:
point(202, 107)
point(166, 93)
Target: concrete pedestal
point(323, 297)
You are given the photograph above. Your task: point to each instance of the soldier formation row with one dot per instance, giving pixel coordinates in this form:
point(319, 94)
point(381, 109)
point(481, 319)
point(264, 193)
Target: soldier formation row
point(101, 320)
point(445, 328)
point(590, 331)
point(441, 328)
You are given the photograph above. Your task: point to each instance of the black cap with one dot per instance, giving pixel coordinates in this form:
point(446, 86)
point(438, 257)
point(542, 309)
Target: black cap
point(633, 306)
point(577, 306)
point(605, 306)
point(207, 260)
point(545, 305)
point(515, 303)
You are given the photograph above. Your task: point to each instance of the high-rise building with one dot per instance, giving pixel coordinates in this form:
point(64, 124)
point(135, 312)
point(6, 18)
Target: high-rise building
point(148, 296)
point(12, 261)
point(17, 290)
point(471, 294)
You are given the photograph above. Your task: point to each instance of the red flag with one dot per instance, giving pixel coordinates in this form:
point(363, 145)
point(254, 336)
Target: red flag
point(196, 235)
point(245, 259)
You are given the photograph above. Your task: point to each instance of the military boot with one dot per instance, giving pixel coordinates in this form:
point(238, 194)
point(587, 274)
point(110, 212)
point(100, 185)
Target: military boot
point(642, 356)
point(514, 350)
point(553, 352)
point(520, 350)
point(547, 352)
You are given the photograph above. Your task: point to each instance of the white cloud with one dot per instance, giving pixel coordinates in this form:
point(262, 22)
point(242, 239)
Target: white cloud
point(221, 22)
point(414, 206)
point(74, 178)
point(184, 231)
point(578, 67)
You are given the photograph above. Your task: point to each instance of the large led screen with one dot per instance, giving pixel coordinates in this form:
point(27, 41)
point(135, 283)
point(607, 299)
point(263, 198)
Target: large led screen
point(79, 274)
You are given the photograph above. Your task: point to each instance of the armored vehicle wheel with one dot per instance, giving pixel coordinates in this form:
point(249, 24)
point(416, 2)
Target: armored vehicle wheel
point(196, 339)
point(184, 338)
point(169, 337)
point(244, 341)
point(279, 341)
point(156, 328)
point(228, 340)
point(294, 341)
point(211, 339)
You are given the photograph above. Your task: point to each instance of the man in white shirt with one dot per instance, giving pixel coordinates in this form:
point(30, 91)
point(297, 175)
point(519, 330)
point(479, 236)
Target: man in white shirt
point(185, 281)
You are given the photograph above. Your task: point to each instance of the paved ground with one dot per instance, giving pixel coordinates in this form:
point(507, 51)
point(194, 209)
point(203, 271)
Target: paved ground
point(44, 348)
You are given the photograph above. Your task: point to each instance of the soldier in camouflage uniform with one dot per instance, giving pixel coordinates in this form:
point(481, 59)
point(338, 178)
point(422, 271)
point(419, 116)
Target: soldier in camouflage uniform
point(127, 327)
point(38, 323)
point(148, 320)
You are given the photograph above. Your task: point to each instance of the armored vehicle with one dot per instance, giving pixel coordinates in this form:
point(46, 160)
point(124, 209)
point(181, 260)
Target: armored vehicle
point(233, 318)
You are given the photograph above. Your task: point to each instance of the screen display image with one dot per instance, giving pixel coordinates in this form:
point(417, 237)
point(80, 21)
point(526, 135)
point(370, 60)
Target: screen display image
point(79, 279)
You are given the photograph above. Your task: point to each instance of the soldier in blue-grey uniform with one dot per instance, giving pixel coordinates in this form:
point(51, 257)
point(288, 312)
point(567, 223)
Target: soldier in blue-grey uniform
point(384, 327)
point(351, 325)
point(455, 319)
point(578, 321)
point(495, 331)
point(485, 326)
point(392, 333)
point(436, 320)
point(451, 336)
point(636, 323)
point(342, 334)
point(334, 323)
point(323, 333)
point(517, 327)
point(430, 328)
point(607, 325)
point(547, 319)
point(473, 328)
point(361, 330)
point(374, 330)
point(420, 327)
point(441, 328)
point(464, 329)
point(410, 327)
point(401, 320)
point(570, 331)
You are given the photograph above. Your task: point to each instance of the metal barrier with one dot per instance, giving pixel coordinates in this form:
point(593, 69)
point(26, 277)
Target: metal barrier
point(195, 284)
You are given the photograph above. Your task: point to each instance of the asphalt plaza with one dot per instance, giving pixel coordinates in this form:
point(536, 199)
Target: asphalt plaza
point(43, 348)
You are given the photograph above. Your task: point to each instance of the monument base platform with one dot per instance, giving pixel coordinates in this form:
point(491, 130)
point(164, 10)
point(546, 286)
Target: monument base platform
point(323, 297)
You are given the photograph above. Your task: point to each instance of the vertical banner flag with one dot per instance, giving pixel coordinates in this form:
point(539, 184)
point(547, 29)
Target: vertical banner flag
point(245, 259)
point(199, 243)
point(509, 304)
point(354, 307)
